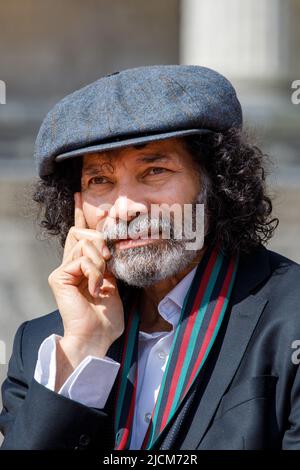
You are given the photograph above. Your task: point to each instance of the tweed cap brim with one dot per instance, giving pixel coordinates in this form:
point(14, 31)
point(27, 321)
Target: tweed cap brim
point(129, 142)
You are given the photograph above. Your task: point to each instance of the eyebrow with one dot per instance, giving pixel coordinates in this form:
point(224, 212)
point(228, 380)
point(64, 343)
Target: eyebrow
point(94, 168)
point(153, 158)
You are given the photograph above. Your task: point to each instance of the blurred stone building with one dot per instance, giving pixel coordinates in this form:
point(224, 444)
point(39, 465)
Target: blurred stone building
point(256, 44)
point(49, 48)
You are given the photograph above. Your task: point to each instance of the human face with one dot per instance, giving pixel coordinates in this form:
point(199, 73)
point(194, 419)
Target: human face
point(128, 181)
point(133, 179)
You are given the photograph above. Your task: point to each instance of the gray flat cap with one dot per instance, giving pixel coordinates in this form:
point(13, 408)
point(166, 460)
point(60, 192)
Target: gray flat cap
point(138, 105)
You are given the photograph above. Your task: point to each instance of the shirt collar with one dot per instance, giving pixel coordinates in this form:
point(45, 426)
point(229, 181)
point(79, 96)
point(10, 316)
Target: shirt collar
point(170, 306)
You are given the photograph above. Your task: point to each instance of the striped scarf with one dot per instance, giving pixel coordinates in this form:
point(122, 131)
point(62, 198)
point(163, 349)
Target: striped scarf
point(201, 316)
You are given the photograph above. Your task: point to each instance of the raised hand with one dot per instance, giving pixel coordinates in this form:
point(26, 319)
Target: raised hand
point(87, 296)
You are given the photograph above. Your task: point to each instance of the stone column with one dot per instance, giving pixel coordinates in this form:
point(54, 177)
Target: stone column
point(248, 39)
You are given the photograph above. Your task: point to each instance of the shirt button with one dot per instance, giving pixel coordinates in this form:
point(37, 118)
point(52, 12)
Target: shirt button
point(83, 443)
point(147, 417)
point(84, 440)
point(161, 354)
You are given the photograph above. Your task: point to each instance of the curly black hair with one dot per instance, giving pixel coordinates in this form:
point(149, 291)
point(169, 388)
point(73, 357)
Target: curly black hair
point(237, 205)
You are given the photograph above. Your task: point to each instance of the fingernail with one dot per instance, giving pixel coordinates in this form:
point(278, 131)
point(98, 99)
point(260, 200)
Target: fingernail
point(100, 212)
point(97, 291)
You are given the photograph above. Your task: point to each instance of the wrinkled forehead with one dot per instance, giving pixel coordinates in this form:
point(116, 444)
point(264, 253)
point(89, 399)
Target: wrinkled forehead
point(166, 151)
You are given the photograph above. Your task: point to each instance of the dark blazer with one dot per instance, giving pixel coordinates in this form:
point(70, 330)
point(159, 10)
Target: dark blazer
point(247, 396)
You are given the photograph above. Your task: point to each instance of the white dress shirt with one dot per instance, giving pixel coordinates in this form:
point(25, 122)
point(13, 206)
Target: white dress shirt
point(91, 382)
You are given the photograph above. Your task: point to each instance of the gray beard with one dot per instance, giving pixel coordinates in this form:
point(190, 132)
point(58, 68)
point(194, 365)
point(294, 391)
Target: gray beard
point(143, 266)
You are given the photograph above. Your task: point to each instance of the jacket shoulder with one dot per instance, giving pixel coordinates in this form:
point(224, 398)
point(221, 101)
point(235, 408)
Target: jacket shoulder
point(45, 325)
point(34, 333)
point(276, 260)
point(284, 292)
point(284, 270)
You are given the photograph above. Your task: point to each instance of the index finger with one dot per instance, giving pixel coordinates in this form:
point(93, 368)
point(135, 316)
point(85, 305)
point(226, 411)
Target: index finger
point(102, 212)
point(79, 219)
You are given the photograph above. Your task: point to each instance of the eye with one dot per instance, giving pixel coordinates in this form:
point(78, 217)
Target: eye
point(156, 170)
point(98, 180)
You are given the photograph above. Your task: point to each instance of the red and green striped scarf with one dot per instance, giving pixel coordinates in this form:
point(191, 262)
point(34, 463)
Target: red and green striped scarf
point(201, 316)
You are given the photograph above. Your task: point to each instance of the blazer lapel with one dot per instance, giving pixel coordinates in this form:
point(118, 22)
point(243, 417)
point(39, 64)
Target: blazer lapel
point(245, 313)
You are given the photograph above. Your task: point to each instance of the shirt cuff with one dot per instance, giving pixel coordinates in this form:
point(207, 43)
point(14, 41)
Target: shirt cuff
point(89, 384)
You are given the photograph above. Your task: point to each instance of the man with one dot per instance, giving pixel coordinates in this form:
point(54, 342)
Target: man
point(156, 345)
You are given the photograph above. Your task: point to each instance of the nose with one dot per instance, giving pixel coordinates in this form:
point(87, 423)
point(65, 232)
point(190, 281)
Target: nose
point(127, 209)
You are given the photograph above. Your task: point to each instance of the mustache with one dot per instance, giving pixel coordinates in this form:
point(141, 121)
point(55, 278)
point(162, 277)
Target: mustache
point(141, 226)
